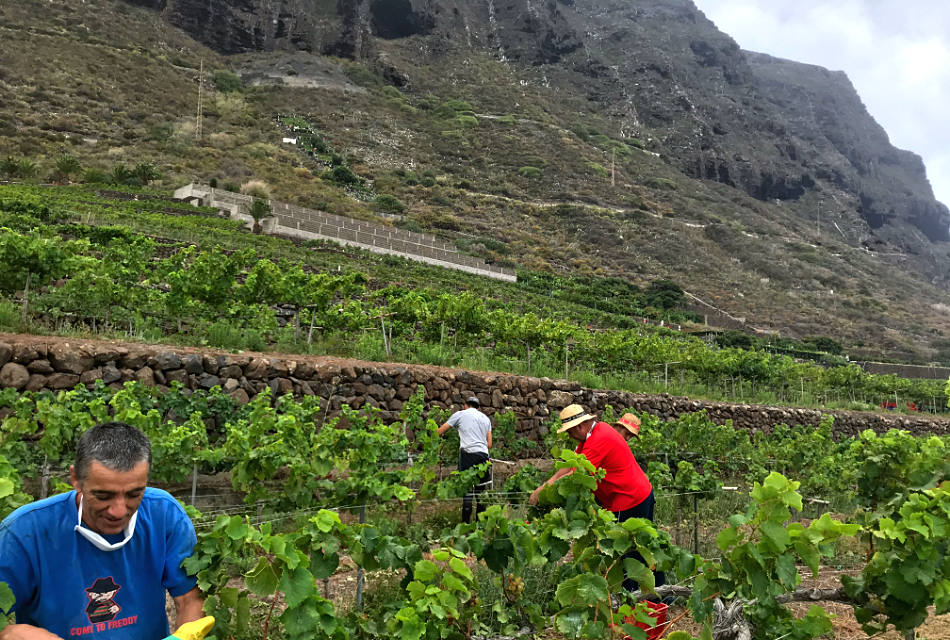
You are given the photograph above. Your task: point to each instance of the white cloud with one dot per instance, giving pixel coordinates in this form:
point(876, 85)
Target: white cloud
point(897, 55)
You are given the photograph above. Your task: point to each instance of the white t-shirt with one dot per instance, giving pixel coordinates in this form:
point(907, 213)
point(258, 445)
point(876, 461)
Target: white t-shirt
point(474, 427)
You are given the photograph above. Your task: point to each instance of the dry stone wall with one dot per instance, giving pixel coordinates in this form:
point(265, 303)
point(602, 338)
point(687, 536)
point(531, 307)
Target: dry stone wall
point(31, 363)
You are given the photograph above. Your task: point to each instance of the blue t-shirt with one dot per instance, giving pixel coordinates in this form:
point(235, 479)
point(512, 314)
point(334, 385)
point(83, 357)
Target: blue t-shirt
point(67, 586)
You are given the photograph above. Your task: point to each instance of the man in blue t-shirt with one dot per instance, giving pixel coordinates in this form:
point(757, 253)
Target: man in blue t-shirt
point(96, 563)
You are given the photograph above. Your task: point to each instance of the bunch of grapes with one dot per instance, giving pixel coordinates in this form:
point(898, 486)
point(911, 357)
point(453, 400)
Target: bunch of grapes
point(514, 587)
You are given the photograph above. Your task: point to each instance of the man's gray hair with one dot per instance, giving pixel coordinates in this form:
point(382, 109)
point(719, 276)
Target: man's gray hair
point(115, 445)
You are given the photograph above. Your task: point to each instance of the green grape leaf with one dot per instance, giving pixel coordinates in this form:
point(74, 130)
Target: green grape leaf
point(243, 613)
point(237, 529)
point(229, 596)
point(786, 571)
point(587, 589)
point(571, 622)
point(460, 568)
point(497, 554)
point(322, 565)
point(7, 600)
point(6, 487)
point(262, 579)
point(426, 570)
point(410, 627)
point(297, 586)
point(727, 538)
point(299, 622)
point(776, 536)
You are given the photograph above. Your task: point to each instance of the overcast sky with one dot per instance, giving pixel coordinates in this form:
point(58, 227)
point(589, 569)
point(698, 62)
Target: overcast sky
point(896, 53)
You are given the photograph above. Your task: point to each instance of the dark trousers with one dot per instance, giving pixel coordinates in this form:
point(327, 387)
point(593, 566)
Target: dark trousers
point(467, 461)
point(642, 510)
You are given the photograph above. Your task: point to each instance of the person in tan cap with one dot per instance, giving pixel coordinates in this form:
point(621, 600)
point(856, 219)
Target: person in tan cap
point(627, 426)
point(625, 489)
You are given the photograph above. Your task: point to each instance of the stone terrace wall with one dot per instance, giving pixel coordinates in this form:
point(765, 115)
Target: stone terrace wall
point(32, 363)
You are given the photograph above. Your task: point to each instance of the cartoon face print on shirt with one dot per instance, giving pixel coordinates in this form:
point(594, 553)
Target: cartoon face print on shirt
point(102, 607)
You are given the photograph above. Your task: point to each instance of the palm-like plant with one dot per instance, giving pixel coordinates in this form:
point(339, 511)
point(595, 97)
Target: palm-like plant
point(146, 172)
point(120, 175)
point(26, 168)
point(66, 167)
point(259, 210)
point(9, 167)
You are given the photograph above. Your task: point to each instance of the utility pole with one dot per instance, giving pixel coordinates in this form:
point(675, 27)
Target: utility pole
point(613, 168)
point(201, 75)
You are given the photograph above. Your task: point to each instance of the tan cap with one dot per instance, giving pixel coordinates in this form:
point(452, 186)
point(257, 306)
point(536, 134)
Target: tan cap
point(572, 415)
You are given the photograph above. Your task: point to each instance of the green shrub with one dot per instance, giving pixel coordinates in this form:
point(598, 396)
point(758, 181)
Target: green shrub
point(362, 76)
point(18, 222)
point(597, 169)
point(389, 204)
point(734, 339)
point(123, 176)
point(458, 105)
point(530, 172)
point(619, 148)
point(824, 343)
point(468, 121)
point(342, 174)
point(95, 176)
point(507, 119)
point(225, 335)
point(161, 132)
point(661, 183)
point(11, 167)
point(452, 108)
point(429, 102)
point(636, 202)
point(9, 316)
point(664, 294)
point(392, 92)
point(226, 81)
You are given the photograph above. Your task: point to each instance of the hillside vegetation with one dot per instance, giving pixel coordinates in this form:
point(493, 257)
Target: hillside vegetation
point(81, 259)
point(518, 173)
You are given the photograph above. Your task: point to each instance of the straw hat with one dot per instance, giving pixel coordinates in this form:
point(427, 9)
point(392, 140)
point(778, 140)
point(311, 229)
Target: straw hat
point(572, 415)
point(629, 422)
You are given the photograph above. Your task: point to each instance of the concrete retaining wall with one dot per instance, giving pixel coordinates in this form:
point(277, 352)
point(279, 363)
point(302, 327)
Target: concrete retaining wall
point(31, 363)
point(311, 224)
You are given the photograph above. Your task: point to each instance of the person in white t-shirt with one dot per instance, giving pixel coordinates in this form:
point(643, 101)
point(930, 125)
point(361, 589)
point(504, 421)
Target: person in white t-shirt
point(474, 442)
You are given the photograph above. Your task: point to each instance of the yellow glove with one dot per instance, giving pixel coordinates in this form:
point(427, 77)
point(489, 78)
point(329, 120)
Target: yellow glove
point(193, 630)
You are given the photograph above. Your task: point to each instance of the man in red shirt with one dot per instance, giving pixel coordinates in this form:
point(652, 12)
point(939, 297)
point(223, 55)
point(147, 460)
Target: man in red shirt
point(625, 490)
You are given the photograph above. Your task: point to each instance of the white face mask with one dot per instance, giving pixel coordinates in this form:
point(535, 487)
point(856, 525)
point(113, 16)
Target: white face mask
point(590, 431)
point(97, 540)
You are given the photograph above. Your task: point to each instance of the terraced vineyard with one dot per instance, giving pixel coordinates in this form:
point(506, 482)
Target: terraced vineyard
point(77, 260)
point(556, 567)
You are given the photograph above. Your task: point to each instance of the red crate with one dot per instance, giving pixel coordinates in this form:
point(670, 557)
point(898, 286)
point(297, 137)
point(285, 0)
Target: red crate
point(657, 611)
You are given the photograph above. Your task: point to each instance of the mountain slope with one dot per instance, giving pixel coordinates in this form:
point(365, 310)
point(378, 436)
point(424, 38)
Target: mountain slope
point(627, 138)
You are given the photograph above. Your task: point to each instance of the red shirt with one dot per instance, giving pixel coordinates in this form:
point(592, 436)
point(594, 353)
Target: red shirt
point(625, 485)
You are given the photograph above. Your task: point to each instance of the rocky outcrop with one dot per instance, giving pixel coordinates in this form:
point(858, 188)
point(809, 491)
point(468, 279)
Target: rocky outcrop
point(386, 387)
point(776, 129)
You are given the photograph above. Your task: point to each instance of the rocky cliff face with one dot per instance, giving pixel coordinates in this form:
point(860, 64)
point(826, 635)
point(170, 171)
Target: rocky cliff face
point(774, 128)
